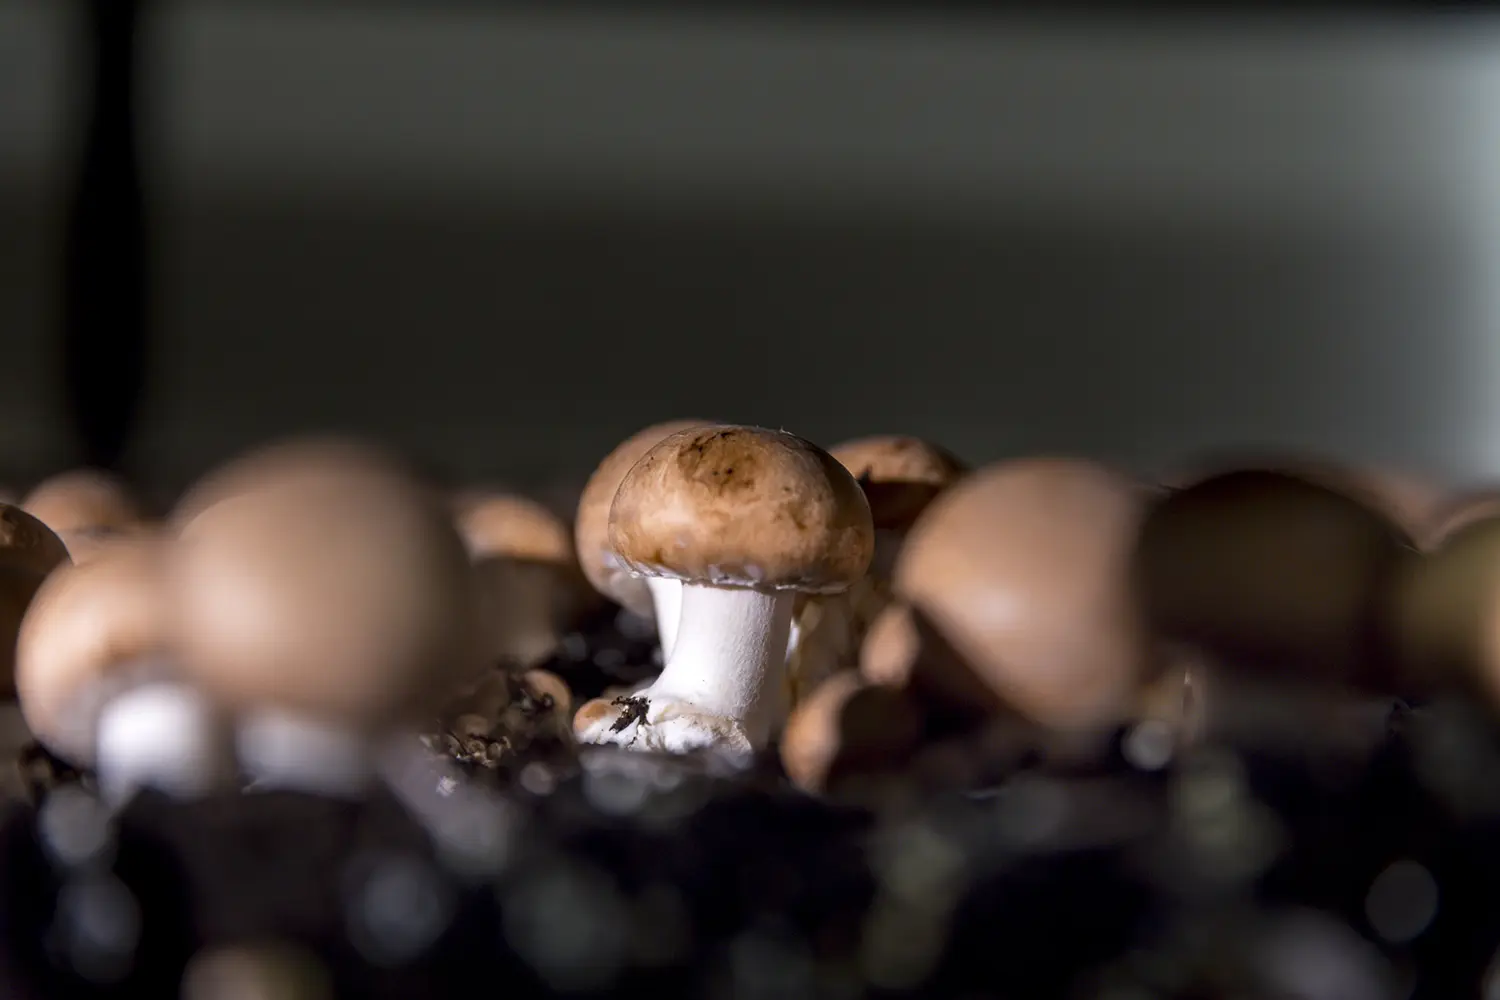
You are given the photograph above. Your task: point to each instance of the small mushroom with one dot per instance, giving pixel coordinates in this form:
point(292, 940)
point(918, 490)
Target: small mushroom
point(326, 598)
point(900, 476)
point(747, 519)
point(530, 587)
point(98, 685)
point(1023, 570)
point(648, 596)
point(29, 551)
point(1273, 574)
point(847, 730)
point(85, 507)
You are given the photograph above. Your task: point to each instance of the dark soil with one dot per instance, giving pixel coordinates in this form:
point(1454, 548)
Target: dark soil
point(1328, 871)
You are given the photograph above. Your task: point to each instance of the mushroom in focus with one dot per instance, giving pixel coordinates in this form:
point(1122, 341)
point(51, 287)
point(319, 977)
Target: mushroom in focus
point(655, 597)
point(326, 599)
point(1022, 572)
point(746, 519)
point(98, 683)
point(900, 476)
point(530, 587)
point(86, 507)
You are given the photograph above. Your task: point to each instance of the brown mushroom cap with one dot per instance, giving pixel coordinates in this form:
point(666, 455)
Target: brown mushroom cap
point(848, 728)
point(746, 507)
point(1409, 500)
point(1445, 608)
point(591, 527)
point(516, 527)
point(27, 544)
point(1457, 512)
point(86, 621)
point(320, 577)
point(1271, 571)
point(1023, 569)
point(901, 475)
point(29, 551)
point(84, 500)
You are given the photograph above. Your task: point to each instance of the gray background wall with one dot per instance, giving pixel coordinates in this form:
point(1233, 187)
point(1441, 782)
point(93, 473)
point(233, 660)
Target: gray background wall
point(509, 237)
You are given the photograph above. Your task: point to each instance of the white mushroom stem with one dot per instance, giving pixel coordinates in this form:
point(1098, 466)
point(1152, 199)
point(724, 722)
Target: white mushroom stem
point(666, 598)
point(282, 750)
point(729, 655)
point(164, 736)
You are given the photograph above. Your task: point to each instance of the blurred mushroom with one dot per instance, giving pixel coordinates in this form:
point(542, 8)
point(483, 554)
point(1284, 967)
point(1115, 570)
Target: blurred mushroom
point(847, 730)
point(29, 551)
point(1458, 512)
point(746, 518)
point(1023, 570)
point(98, 684)
point(1272, 574)
point(326, 598)
point(1408, 499)
point(530, 587)
point(900, 477)
point(1446, 614)
point(649, 596)
point(85, 506)
point(256, 972)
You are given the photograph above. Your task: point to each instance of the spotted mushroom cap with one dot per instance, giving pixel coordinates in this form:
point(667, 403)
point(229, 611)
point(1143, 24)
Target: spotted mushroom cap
point(743, 507)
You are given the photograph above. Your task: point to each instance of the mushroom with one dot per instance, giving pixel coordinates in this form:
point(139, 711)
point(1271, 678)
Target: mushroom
point(326, 599)
point(747, 519)
point(900, 476)
point(29, 551)
point(1445, 613)
point(847, 730)
point(1022, 570)
point(1407, 499)
point(530, 587)
point(84, 507)
point(649, 596)
point(1458, 512)
point(1272, 574)
point(98, 685)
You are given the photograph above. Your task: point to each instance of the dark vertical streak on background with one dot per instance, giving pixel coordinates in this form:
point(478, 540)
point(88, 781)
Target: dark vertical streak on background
point(104, 285)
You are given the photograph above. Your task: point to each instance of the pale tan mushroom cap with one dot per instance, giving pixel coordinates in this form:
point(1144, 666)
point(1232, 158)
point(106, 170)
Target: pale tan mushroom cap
point(1445, 612)
point(86, 621)
point(746, 507)
point(514, 527)
point(591, 527)
point(901, 475)
point(1023, 568)
point(84, 500)
point(319, 577)
point(847, 727)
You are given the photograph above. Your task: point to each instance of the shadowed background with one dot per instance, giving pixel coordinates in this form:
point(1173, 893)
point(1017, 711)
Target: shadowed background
point(510, 237)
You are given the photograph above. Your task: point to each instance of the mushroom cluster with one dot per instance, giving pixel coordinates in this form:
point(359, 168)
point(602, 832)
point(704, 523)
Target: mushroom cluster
point(311, 605)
